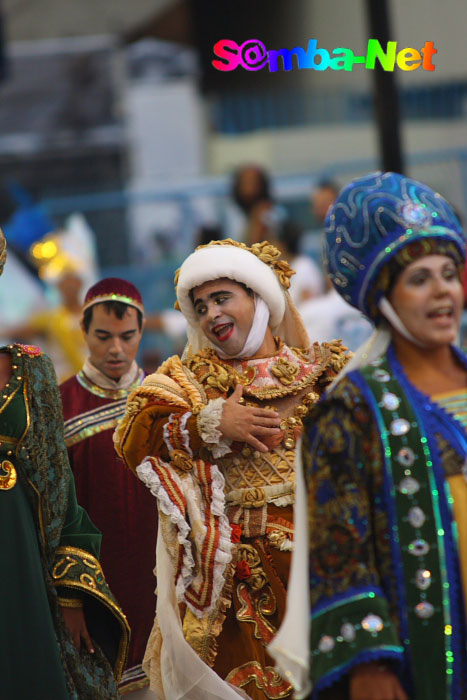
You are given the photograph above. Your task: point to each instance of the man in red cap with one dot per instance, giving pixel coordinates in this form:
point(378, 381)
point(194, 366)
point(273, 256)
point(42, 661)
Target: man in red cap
point(93, 402)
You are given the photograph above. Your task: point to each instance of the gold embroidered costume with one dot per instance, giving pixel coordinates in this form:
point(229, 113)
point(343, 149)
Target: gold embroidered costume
point(226, 512)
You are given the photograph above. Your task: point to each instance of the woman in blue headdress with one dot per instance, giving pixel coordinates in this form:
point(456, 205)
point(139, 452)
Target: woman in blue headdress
point(386, 456)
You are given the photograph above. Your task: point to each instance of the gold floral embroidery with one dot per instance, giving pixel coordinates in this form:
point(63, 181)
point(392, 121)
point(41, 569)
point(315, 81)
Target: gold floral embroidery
point(212, 372)
point(285, 371)
point(257, 578)
point(253, 498)
point(301, 354)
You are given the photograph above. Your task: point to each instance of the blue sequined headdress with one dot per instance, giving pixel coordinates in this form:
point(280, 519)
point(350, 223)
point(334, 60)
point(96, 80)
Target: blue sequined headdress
point(372, 220)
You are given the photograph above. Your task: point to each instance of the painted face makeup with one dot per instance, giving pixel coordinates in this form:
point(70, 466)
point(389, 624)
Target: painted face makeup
point(225, 311)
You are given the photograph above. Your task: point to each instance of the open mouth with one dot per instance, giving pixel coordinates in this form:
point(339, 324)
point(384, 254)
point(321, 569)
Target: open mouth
point(444, 312)
point(223, 331)
point(444, 316)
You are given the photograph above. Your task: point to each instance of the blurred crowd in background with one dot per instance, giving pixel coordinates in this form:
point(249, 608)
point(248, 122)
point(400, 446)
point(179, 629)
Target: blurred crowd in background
point(121, 149)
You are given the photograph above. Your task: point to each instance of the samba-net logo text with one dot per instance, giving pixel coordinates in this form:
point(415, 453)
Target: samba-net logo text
point(252, 55)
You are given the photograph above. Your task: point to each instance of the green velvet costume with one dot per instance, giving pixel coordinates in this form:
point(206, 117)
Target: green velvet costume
point(49, 548)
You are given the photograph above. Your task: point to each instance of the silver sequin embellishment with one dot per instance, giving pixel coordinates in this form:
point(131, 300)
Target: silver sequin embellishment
point(391, 401)
point(406, 456)
point(348, 632)
point(419, 548)
point(408, 486)
point(423, 579)
point(424, 610)
point(400, 426)
point(326, 644)
point(414, 213)
point(372, 623)
point(381, 375)
point(416, 516)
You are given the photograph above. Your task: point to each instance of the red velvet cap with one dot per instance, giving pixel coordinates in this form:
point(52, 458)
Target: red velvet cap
point(114, 289)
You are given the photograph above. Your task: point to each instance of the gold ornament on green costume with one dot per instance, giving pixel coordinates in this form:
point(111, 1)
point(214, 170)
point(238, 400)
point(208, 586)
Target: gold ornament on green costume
point(7, 475)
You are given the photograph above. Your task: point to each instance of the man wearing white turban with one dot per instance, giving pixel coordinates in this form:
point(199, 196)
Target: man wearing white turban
point(213, 435)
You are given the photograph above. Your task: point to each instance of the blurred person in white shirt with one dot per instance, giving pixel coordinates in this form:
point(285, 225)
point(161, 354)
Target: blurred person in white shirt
point(308, 281)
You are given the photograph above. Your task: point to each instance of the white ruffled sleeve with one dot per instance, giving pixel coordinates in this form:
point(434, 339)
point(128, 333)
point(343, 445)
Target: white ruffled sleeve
point(208, 423)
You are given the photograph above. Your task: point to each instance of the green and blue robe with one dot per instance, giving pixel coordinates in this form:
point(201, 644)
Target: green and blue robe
point(386, 551)
point(49, 549)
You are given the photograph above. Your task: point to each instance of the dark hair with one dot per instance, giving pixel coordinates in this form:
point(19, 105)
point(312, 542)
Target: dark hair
point(206, 234)
point(264, 188)
point(118, 308)
point(290, 235)
point(328, 185)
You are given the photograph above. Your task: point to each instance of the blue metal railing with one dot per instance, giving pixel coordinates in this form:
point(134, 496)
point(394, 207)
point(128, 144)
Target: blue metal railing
point(243, 112)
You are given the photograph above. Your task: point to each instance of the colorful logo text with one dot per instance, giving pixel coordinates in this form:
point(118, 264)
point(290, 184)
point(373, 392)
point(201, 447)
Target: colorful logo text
point(252, 55)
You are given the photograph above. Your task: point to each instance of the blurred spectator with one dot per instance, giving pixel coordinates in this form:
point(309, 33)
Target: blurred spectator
point(308, 282)
point(322, 197)
point(330, 317)
point(59, 327)
point(251, 185)
point(251, 192)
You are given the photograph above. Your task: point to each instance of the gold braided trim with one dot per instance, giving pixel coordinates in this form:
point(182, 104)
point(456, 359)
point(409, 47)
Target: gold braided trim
point(157, 386)
point(70, 602)
point(172, 384)
point(92, 430)
point(160, 390)
point(103, 393)
point(173, 378)
point(187, 382)
point(201, 633)
point(334, 353)
point(255, 497)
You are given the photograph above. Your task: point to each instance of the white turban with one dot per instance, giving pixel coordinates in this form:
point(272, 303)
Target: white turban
point(238, 263)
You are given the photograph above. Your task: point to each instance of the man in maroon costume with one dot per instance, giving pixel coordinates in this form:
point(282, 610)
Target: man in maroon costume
point(93, 402)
